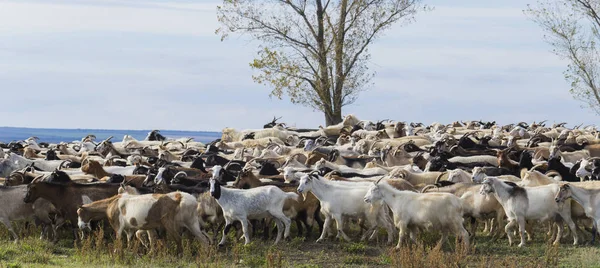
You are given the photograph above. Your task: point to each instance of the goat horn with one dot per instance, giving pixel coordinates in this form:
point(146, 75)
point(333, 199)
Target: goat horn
point(295, 155)
point(437, 180)
point(426, 188)
point(63, 163)
point(373, 144)
point(180, 173)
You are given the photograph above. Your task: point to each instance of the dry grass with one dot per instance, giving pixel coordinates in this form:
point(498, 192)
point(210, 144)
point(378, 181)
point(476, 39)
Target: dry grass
point(99, 249)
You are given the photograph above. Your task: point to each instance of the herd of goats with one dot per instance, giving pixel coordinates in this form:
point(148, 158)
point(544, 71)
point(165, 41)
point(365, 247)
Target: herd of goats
point(374, 175)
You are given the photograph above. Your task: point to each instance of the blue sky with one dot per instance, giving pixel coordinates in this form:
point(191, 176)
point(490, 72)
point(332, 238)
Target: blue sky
point(143, 64)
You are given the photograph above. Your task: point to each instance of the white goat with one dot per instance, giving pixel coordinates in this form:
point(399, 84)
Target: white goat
point(332, 206)
point(589, 199)
point(255, 203)
point(345, 169)
point(529, 203)
point(438, 211)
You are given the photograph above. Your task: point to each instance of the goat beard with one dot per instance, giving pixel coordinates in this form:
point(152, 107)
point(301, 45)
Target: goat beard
point(304, 196)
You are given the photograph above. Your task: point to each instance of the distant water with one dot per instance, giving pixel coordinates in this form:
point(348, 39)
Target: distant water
point(8, 134)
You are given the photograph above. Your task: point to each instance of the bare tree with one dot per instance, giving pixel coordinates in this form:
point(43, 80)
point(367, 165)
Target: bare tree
point(572, 28)
point(314, 51)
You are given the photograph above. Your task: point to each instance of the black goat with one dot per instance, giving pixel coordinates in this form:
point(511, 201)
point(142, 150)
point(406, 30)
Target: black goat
point(555, 164)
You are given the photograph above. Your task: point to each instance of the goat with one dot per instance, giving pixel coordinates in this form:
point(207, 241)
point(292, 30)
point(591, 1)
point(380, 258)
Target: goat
point(67, 197)
point(241, 205)
point(475, 205)
point(414, 178)
point(554, 163)
point(15, 208)
point(521, 204)
point(480, 173)
point(350, 171)
point(127, 212)
point(351, 205)
point(300, 211)
point(592, 164)
point(210, 213)
point(587, 198)
point(569, 157)
point(440, 211)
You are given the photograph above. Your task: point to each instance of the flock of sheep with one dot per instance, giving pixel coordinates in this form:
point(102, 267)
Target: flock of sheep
point(403, 178)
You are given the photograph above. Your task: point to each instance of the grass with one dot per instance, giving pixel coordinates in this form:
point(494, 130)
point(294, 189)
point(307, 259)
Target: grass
point(101, 250)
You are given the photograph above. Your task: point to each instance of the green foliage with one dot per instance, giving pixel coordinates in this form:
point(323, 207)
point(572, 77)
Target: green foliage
point(355, 248)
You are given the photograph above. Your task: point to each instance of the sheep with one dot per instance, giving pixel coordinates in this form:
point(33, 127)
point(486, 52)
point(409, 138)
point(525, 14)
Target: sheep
point(241, 205)
point(333, 207)
point(438, 211)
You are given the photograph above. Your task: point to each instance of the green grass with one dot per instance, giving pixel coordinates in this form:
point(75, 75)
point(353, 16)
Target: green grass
point(101, 250)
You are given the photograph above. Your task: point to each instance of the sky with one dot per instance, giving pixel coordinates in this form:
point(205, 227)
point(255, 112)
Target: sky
point(150, 64)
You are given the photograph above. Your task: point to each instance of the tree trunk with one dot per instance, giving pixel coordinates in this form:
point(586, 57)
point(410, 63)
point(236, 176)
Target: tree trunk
point(332, 118)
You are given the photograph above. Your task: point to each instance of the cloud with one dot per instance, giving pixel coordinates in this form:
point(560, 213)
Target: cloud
point(146, 64)
point(37, 17)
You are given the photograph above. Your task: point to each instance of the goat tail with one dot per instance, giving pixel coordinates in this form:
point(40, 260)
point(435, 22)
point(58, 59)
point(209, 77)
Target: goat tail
point(292, 195)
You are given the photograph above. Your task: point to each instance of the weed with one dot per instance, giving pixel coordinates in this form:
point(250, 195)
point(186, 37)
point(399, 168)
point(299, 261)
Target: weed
point(355, 248)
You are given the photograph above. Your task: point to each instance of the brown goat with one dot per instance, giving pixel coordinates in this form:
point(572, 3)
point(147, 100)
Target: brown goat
point(30, 153)
point(95, 169)
point(313, 157)
point(505, 162)
point(68, 197)
point(157, 211)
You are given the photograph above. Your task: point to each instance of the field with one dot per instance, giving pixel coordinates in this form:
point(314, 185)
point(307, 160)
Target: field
point(101, 250)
